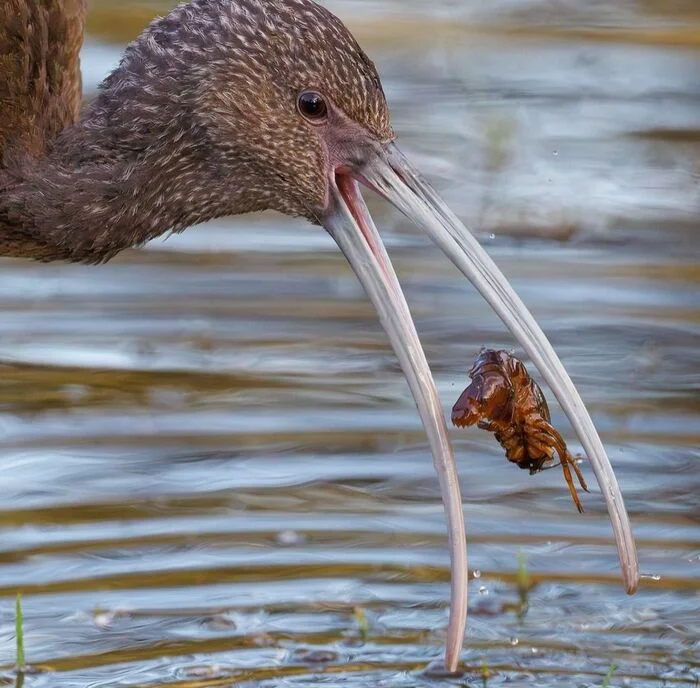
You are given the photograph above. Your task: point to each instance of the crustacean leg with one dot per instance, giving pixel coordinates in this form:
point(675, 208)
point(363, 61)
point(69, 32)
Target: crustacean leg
point(565, 459)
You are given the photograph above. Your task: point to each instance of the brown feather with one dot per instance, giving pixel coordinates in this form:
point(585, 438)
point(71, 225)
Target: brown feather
point(40, 89)
point(198, 121)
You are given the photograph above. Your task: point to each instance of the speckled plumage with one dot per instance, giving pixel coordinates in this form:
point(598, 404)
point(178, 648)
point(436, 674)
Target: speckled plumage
point(40, 85)
point(198, 121)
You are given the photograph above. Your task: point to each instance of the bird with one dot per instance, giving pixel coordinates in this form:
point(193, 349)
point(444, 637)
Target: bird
point(224, 107)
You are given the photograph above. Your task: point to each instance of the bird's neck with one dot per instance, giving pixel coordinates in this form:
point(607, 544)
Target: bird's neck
point(83, 202)
point(106, 185)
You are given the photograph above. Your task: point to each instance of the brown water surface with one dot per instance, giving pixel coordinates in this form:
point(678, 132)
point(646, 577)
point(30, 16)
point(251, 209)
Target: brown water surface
point(213, 471)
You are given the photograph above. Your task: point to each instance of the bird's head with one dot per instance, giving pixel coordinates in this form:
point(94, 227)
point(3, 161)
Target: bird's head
point(271, 104)
point(275, 96)
point(292, 91)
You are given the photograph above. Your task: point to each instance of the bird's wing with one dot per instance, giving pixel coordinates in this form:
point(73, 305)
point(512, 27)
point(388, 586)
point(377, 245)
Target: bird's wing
point(40, 86)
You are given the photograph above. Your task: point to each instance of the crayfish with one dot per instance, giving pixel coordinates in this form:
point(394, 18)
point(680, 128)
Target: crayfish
point(502, 398)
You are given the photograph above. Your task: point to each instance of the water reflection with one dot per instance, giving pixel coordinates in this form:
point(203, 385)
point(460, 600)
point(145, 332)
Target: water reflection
point(167, 416)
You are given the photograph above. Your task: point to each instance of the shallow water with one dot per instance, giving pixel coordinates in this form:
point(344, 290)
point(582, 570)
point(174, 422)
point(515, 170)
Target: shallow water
point(213, 471)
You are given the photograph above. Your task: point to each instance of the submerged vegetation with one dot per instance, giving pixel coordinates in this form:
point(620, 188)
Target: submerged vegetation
point(609, 675)
point(362, 622)
point(524, 584)
point(19, 634)
point(485, 675)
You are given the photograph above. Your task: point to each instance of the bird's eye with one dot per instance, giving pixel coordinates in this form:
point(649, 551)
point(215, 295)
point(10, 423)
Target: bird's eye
point(312, 106)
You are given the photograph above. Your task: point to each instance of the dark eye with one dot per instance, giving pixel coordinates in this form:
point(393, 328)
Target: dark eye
point(312, 105)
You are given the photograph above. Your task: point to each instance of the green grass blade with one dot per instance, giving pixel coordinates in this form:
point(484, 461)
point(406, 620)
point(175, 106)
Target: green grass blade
point(609, 675)
point(19, 632)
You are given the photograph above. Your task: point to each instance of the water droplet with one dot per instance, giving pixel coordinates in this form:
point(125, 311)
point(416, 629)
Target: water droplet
point(483, 590)
point(104, 619)
point(555, 153)
point(492, 236)
point(289, 538)
point(514, 641)
point(533, 650)
point(650, 576)
point(476, 573)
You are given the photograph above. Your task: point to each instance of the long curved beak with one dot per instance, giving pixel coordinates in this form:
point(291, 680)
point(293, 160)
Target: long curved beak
point(389, 173)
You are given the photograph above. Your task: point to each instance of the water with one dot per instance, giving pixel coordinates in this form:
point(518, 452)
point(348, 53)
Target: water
point(213, 472)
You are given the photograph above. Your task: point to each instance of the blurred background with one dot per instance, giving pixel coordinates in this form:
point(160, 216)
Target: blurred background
point(213, 471)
